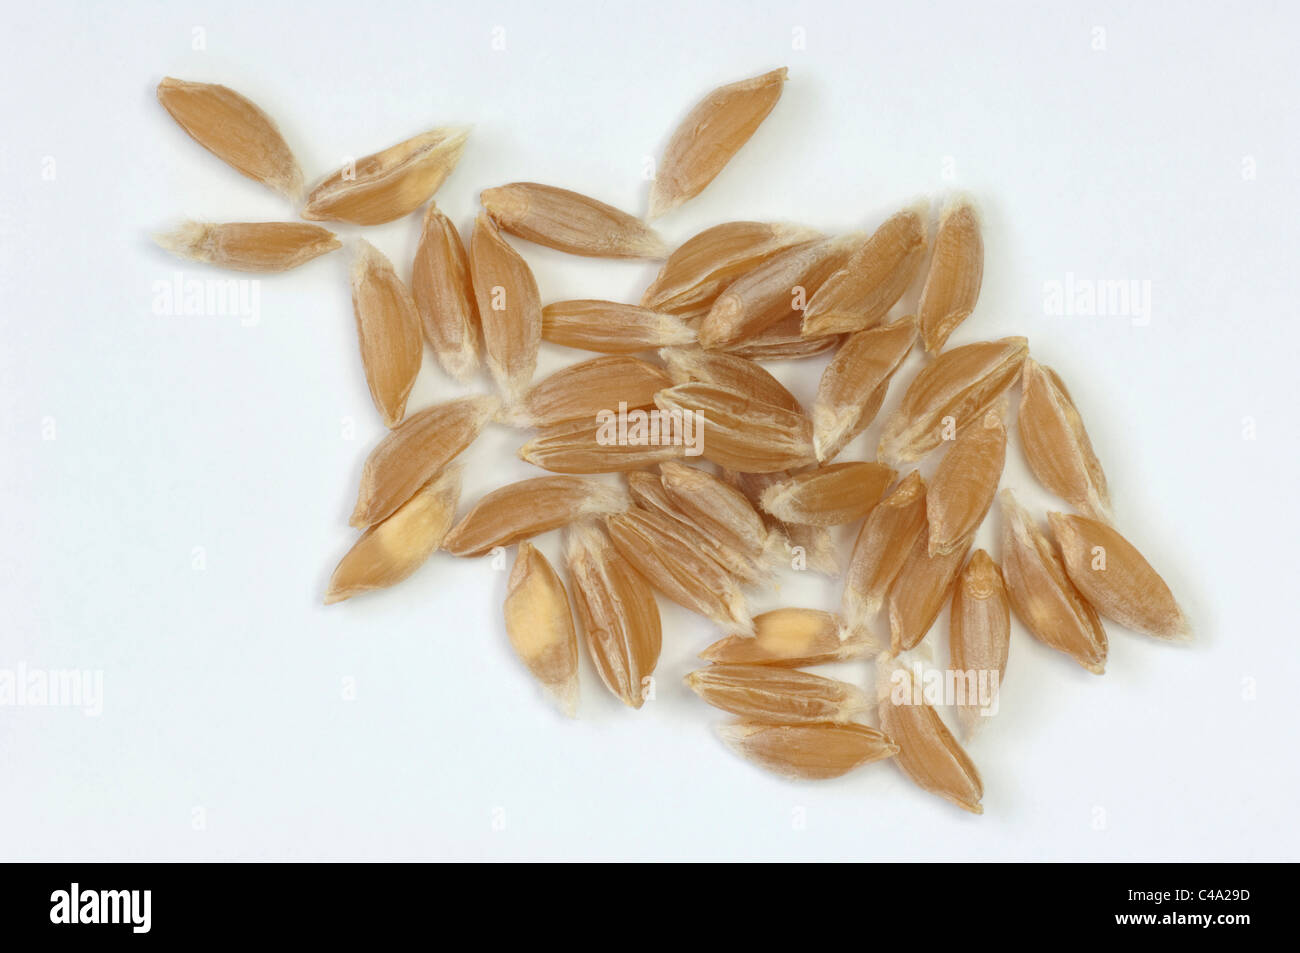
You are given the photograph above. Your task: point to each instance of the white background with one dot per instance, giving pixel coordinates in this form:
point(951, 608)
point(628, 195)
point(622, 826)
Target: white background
point(1169, 155)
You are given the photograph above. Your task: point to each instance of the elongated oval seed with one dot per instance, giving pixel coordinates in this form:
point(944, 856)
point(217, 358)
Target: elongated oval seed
point(781, 695)
point(920, 590)
point(391, 550)
point(664, 554)
point(702, 268)
point(540, 625)
point(887, 537)
point(783, 341)
point(830, 495)
point(249, 246)
point(1056, 444)
point(956, 271)
point(612, 328)
point(648, 491)
point(582, 391)
point(740, 432)
point(235, 130)
point(855, 383)
point(958, 388)
point(761, 298)
point(808, 752)
point(509, 307)
point(1041, 593)
point(444, 295)
point(730, 371)
point(1116, 579)
point(620, 619)
point(979, 635)
point(388, 328)
point(965, 482)
point(584, 446)
point(860, 294)
point(723, 513)
point(528, 508)
point(414, 452)
point(570, 222)
point(790, 638)
point(927, 751)
point(712, 132)
point(389, 184)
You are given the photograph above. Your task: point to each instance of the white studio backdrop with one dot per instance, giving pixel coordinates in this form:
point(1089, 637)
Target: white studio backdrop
point(174, 488)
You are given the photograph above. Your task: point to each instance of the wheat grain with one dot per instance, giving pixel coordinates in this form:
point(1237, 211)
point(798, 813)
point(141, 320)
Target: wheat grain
point(389, 184)
point(712, 132)
point(570, 222)
point(808, 752)
point(388, 330)
point(1056, 444)
point(612, 328)
point(888, 535)
point(444, 296)
point(528, 508)
point(860, 294)
point(790, 638)
point(956, 270)
point(509, 307)
point(540, 625)
point(855, 382)
point(965, 482)
point(249, 246)
point(780, 695)
point(235, 130)
point(979, 631)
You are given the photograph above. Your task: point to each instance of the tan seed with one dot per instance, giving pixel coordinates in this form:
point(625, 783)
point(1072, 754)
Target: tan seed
point(1057, 445)
point(702, 268)
point(927, 751)
point(612, 328)
point(540, 625)
point(387, 185)
point(665, 554)
point(723, 513)
point(965, 482)
point(740, 432)
point(830, 495)
point(528, 508)
point(235, 130)
point(648, 491)
point(509, 307)
point(808, 752)
point(887, 537)
point(571, 222)
point(860, 294)
point(781, 695)
point(619, 616)
point(712, 132)
point(585, 446)
point(953, 284)
point(790, 638)
point(730, 371)
point(414, 452)
point(956, 389)
point(249, 246)
point(1116, 579)
point(802, 547)
point(1041, 593)
point(444, 296)
point(391, 550)
point(855, 383)
point(783, 341)
point(388, 328)
point(923, 585)
point(581, 391)
point(979, 634)
point(773, 291)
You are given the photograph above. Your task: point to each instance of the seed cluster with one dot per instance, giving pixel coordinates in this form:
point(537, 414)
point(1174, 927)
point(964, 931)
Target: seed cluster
point(731, 296)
